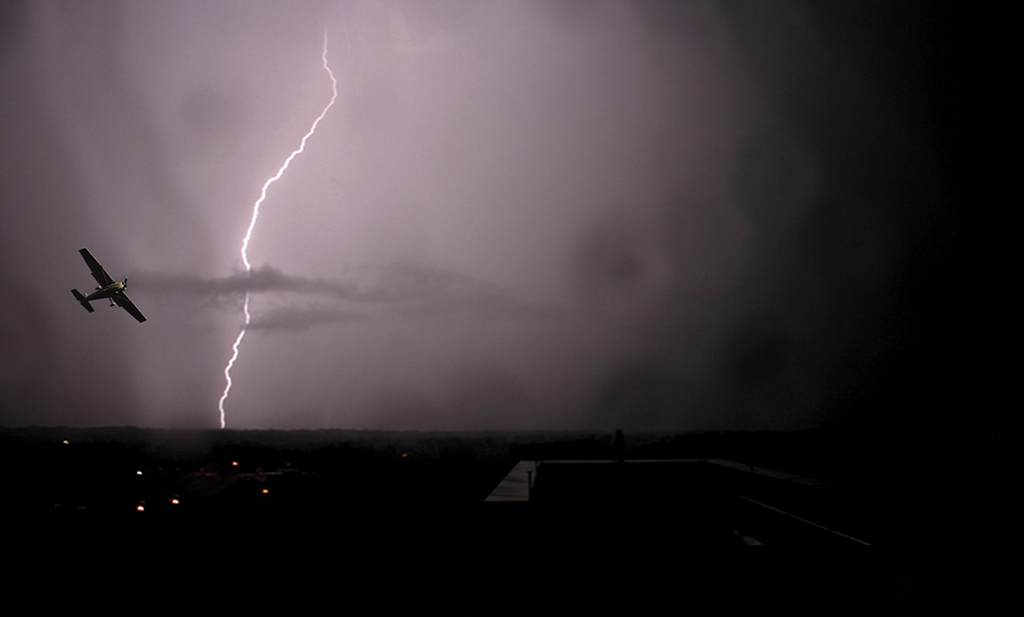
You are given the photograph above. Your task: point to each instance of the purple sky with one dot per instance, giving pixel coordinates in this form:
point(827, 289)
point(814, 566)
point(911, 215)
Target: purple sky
point(516, 215)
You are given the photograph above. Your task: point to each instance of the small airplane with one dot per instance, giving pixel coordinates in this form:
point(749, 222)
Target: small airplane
point(109, 288)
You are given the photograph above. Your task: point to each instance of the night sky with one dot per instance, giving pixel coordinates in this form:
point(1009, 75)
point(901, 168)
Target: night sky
point(517, 215)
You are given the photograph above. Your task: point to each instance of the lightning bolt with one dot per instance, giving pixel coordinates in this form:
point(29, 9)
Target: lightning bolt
point(252, 225)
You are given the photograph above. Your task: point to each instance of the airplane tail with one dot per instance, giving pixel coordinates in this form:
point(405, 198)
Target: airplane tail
point(81, 298)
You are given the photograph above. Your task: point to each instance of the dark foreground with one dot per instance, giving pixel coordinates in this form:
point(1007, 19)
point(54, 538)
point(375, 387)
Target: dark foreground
point(877, 492)
point(660, 507)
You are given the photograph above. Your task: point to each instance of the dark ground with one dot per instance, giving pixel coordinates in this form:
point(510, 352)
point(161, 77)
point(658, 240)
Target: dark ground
point(889, 492)
point(400, 516)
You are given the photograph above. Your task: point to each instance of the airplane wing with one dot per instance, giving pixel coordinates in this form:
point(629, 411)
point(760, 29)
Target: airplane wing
point(122, 300)
point(97, 270)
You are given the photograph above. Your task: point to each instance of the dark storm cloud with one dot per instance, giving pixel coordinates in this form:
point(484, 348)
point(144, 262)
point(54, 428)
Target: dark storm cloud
point(300, 318)
point(397, 291)
point(263, 279)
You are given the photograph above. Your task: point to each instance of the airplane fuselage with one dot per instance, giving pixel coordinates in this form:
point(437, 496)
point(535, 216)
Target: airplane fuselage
point(106, 292)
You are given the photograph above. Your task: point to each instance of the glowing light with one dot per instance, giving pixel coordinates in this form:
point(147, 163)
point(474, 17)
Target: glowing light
point(175, 501)
point(252, 225)
point(265, 491)
point(234, 463)
point(141, 508)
